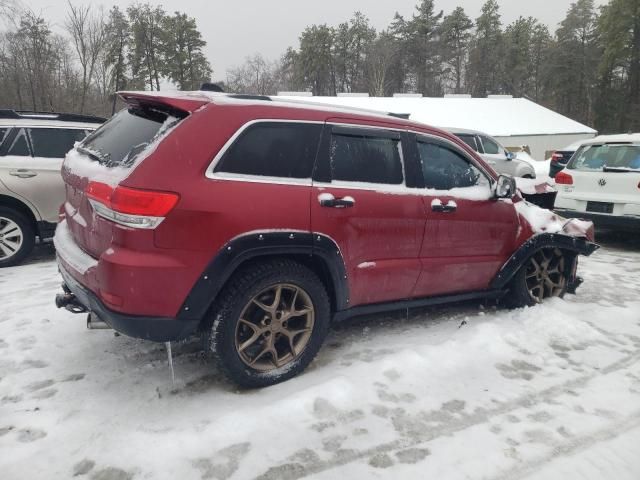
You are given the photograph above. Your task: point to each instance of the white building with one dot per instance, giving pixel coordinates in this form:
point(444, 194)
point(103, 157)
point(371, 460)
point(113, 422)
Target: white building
point(515, 122)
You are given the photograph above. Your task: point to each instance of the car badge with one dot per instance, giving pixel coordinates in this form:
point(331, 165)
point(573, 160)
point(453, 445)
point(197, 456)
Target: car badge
point(602, 182)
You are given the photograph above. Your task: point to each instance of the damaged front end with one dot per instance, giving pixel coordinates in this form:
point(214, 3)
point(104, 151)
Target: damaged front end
point(547, 231)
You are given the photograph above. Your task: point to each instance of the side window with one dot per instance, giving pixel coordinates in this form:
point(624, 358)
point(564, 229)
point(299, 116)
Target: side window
point(273, 149)
point(3, 133)
point(490, 147)
point(19, 146)
point(368, 159)
point(469, 140)
point(445, 169)
point(54, 142)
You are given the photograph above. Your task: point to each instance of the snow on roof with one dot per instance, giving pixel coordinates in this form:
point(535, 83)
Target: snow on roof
point(499, 117)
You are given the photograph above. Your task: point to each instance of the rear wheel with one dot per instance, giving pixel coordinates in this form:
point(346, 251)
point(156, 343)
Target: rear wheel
point(544, 275)
point(17, 237)
point(269, 323)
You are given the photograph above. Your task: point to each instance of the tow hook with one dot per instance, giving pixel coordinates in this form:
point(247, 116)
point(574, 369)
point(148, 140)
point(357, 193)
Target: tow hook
point(69, 302)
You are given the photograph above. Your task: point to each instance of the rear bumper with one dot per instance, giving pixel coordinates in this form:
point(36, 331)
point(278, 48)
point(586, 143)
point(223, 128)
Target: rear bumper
point(157, 329)
point(603, 220)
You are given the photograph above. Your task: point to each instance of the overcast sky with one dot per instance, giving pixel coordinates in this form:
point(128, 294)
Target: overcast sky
point(238, 28)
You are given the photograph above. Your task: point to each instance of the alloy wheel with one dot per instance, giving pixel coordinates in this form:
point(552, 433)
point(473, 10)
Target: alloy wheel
point(11, 238)
point(274, 327)
point(546, 274)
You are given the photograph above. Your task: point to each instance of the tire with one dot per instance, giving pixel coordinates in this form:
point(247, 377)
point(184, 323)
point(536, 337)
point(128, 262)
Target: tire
point(17, 237)
point(254, 337)
point(542, 276)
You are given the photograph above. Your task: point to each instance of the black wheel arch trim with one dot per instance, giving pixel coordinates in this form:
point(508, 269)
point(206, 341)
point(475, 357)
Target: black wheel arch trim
point(578, 245)
point(254, 245)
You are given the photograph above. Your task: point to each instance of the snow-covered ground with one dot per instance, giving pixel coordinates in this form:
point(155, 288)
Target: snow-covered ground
point(463, 392)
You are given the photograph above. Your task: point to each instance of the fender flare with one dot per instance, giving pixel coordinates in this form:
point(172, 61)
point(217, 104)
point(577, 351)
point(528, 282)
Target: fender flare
point(258, 244)
point(578, 245)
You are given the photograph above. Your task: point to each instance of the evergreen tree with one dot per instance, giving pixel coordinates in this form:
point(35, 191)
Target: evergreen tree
point(574, 62)
point(422, 44)
point(182, 44)
point(618, 104)
point(485, 59)
point(455, 35)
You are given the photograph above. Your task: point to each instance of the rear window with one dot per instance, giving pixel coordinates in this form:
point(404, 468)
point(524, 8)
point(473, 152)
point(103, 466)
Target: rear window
point(3, 133)
point(606, 157)
point(54, 142)
point(119, 141)
point(273, 149)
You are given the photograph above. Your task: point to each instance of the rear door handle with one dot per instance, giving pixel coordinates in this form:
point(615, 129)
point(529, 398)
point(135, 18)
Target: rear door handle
point(329, 201)
point(23, 173)
point(441, 208)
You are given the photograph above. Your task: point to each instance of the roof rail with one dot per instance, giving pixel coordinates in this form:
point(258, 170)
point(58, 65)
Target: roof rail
point(243, 96)
point(63, 117)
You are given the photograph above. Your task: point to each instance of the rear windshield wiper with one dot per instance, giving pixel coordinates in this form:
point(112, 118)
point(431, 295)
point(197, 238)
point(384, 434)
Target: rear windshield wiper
point(93, 154)
point(620, 169)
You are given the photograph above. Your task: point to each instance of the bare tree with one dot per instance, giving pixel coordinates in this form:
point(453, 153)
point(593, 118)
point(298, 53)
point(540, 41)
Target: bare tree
point(87, 30)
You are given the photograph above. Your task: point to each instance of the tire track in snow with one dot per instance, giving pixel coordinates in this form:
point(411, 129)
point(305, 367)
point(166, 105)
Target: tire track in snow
point(480, 416)
point(574, 446)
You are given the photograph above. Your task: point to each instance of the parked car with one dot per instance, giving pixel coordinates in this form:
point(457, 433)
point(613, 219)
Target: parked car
point(560, 158)
point(494, 154)
point(257, 222)
point(602, 182)
point(32, 147)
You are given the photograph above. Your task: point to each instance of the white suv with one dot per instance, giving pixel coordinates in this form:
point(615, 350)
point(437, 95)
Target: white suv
point(602, 182)
point(494, 154)
point(32, 148)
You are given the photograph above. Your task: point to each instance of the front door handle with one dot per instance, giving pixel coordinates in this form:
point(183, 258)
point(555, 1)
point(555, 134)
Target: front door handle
point(22, 173)
point(329, 201)
point(441, 208)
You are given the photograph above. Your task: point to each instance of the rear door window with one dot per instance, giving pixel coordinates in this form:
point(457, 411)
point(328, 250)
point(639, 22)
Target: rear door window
point(273, 149)
point(366, 157)
point(445, 169)
point(119, 141)
point(54, 142)
point(18, 144)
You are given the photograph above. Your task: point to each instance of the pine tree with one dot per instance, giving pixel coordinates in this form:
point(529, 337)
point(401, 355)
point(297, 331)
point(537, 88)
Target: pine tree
point(184, 61)
point(455, 36)
point(485, 59)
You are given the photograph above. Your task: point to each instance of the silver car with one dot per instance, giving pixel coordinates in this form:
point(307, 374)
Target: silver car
point(494, 154)
point(32, 148)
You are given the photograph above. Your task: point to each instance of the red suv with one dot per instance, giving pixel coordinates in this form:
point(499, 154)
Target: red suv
point(258, 222)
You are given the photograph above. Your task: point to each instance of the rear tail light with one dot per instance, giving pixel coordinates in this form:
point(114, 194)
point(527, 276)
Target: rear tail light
point(556, 157)
point(563, 178)
point(130, 206)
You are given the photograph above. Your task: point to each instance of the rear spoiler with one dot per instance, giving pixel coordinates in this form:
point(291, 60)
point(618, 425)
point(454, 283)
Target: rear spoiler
point(179, 104)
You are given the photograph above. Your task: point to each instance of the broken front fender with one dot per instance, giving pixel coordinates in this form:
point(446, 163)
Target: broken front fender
point(576, 237)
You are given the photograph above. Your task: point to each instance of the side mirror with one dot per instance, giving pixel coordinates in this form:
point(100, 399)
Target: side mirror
point(510, 155)
point(505, 187)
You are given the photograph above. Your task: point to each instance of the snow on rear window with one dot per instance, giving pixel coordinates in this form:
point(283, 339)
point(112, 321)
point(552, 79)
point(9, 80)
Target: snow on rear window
point(125, 136)
point(83, 161)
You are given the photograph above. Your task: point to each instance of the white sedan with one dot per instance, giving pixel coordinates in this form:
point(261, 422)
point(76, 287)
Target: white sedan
point(602, 183)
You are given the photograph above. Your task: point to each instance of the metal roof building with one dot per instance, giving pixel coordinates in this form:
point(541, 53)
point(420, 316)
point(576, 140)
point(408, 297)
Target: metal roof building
point(513, 121)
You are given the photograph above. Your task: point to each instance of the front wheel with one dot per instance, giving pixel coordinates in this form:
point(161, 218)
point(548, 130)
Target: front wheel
point(269, 323)
point(543, 275)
